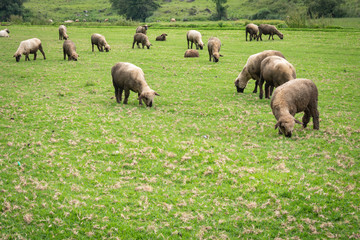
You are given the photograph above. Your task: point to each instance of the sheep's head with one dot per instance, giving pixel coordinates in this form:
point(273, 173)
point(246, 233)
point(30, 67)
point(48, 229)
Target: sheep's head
point(7, 30)
point(281, 36)
point(66, 37)
point(148, 44)
point(74, 56)
point(216, 56)
point(107, 48)
point(17, 57)
point(201, 46)
point(148, 97)
point(146, 27)
point(241, 80)
point(286, 125)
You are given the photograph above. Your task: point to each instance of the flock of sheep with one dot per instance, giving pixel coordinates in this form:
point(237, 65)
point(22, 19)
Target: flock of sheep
point(291, 95)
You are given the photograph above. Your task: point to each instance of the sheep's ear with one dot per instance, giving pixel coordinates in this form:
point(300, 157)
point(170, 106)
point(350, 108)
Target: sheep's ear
point(277, 125)
point(298, 122)
point(157, 94)
point(221, 55)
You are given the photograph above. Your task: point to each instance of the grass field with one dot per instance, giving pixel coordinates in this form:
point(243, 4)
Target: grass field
point(203, 163)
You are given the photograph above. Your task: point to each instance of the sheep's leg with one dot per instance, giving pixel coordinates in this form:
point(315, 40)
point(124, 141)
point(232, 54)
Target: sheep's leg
point(98, 48)
point(42, 52)
point(92, 45)
point(188, 43)
point(35, 54)
point(261, 87)
point(256, 85)
point(140, 101)
point(271, 90)
point(127, 94)
point(64, 54)
point(133, 44)
point(306, 117)
point(315, 116)
point(27, 57)
point(118, 94)
point(267, 90)
point(191, 45)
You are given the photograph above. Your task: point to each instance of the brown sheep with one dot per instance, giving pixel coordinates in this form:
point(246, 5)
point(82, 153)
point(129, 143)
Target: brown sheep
point(142, 29)
point(253, 30)
point(69, 49)
point(214, 45)
point(100, 42)
point(127, 76)
point(62, 33)
point(268, 29)
point(27, 47)
point(191, 53)
point(162, 37)
point(143, 39)
point(298, 95)
point(252, 69)
point(275, 71)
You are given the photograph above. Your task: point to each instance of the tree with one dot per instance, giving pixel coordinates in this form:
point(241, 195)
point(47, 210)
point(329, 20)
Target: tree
point(135, 9)
point(324, 8)
point(11, 7)
point(221, 10)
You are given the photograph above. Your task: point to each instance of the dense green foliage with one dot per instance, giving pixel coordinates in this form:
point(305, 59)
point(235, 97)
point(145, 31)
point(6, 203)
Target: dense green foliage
point(135, 9)
point(11, 7)
point(221, 9)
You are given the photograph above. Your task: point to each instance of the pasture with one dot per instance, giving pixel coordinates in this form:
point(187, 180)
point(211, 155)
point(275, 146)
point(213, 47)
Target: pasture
point(205, 162)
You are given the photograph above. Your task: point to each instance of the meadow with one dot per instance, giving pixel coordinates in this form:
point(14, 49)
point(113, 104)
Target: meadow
point(205, 162)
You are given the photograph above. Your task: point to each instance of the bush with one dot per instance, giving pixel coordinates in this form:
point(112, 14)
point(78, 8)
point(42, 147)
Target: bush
point(296, 19)
point(16, 19)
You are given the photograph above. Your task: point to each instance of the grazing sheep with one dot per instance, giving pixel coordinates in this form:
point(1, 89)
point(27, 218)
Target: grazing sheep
point(62, 33)
point(172, 20)
point(127, 76)
point(191, 53)
point(214, 45)
point(298, 95)
point(4, 33)
point(253, 30)
point(162, 37)
point(252, 69)
point(142, 29)
point(143, 39)
point(268, 29)
point(27, 47)
point(69, 49)
point(194, 36)
point(275, 71)
point(100, 42)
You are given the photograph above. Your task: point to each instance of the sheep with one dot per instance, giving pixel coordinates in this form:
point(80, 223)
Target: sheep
point(62, 33)
point(4, 33)
point(143, 39)
point(194, 36)
point(298, 95)
point(142, 29)
point(27, 47)
point(214, 45)
point(127, 76)
point(275, 71)
point(252, 69)
point(191, 53)
point(172, 20)
point(162, 37)
point(69, 49)
point(100, 42)
point(268, 29)
point(253, 30)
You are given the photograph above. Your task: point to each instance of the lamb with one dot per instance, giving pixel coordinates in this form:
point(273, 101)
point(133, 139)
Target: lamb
point(4, 33)
point(298, 95)
point(252, 69)
point(143, 39)
point(142, 29)
point(62, 33)
point(194, 36)
point(214, 45)
point(253, 30)
point(100, 42)
point(275, 71)
point(162, 37)
point(69, 49)
point(127, 76)
point(27, 47)
point(268, 29)
point(191, 53)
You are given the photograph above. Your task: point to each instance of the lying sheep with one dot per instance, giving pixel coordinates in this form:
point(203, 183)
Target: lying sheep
point(162, 37)
point(100, 42)
point(127, 76)
point(62, 33)
point(275, 71)
point(142, 29)
point(194, 36)
point(253, 30)
point(143, 39)
point(298, 95)
point(27, 47)
point(191, 53)
point(268, 29)
point(69, 49)
point(214, 45)
point(252, 69)
point(4, 33)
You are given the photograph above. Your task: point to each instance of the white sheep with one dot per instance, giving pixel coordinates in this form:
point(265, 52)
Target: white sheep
point(194, 36)
point(214, 45)
point(62, 33)
point(27, 47)
point(100, 42)
point(253, 30)
point(142, 29)
point(4, 33)
point(69, 49)
point(127, 76)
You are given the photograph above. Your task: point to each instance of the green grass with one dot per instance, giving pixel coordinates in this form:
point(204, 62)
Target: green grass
point(204, 162)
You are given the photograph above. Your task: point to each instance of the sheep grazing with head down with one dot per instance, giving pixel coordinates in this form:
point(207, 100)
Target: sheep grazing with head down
point(214, 45)
point(4, 33)
point(275, 71)
point(69, 49)
point(127, 76)
point(252, 69)
point(62, 33)
point(162, 37)
point(253, 30)
point(190, 53)
point(268, 29)
point(194, 36)
point(142, 29)
point(100, 42)
point(298, 95)
point(143, 39)
point(30, 46)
